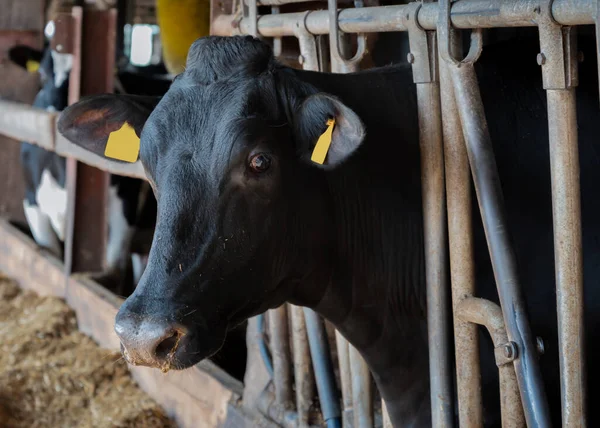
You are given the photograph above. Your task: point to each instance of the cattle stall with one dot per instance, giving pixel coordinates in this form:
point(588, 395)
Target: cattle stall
point(454, 151)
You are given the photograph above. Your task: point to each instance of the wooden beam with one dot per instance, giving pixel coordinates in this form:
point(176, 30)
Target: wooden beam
point(22, 15)
point(25, 123)
point(24, 261)
point(93, 36)
point(68, 149)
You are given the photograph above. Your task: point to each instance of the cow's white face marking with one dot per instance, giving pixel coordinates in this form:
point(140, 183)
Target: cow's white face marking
point(52, 199)
point(41, 228)
point(120, 233)
point(62, 66)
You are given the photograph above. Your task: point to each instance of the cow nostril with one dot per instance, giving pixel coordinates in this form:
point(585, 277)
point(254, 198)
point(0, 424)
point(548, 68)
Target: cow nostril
point(168, 346)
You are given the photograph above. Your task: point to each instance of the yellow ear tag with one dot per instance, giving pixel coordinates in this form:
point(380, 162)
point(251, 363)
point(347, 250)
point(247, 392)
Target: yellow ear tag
point(322, 147)
point(123, 144)
point(32, 66)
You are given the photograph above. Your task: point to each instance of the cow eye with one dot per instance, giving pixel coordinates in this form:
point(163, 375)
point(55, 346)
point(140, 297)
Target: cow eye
point(260, 162)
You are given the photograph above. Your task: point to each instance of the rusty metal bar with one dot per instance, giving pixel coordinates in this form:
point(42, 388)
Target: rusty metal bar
point(362, 390)
point(280, 351)
point(337, 50)
point(343, 351)
point(491, 205)
point(466, 14)
point(558, 59)
point(462, 269)
point(564, 162)
point(357, 393)
point(277, 42)
point(488, 314)
point(253, 17)
point(309, 59)
point(423, 58)
point(303, 374)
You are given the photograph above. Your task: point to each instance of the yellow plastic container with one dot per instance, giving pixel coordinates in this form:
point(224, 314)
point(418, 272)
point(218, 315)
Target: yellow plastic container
point(181, 23)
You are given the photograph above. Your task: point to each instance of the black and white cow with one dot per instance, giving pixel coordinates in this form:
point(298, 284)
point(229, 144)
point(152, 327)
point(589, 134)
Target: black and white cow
point(45, 203)
point(246, 221)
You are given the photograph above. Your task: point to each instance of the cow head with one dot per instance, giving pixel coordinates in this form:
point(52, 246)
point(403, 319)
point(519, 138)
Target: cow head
point(244, 216)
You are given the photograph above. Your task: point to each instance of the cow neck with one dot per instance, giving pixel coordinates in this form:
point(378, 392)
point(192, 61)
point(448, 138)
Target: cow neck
point(376, 293)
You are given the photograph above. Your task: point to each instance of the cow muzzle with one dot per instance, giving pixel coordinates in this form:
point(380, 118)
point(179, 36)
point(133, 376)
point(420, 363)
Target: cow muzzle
point(150, 342)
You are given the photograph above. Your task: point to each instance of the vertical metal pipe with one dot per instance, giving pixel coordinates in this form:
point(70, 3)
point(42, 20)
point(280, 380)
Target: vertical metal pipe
point(280, 350)
point(491, 205)
point(321, 358)
point(345, 378)
point(558, 59)
point(302, 368)
point(566, 211)
point(462, 270)
point(432, 178)
point(362, 400)
point(277, 43)
point(310, 61)
point(387, 423)
point(253, 17)
point(423, 56)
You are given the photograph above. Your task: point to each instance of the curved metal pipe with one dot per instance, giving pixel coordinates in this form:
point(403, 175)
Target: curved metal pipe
point(280, 350)
point(323, 368)
point(486, 313)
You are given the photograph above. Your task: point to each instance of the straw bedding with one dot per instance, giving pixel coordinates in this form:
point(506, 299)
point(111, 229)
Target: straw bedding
point(51, 375)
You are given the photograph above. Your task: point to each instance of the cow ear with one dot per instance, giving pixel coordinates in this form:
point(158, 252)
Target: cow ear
point(329, 131)
point(26, 57)
point(90, 122)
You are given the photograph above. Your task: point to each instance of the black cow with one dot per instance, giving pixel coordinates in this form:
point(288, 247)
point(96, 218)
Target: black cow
point(246, 221)
point(131, 209)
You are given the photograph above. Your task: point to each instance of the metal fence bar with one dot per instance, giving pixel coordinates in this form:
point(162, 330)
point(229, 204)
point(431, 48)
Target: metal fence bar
point(325, 380)
point(486, 313)
point(491, 205)
point(564, 162)
point(489, 193)
point(280, 351)
point(423, 58)
point(462, 268)
point(303, 374)
point(357, 390)
point(339, 46)
point(466, 14)
point(343, 351)
point(362, 390)
point(558, 59)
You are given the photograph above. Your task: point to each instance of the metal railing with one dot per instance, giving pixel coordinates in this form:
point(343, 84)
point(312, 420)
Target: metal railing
point(454, 94)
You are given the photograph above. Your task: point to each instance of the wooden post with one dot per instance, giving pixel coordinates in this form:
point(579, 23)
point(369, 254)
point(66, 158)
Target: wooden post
point(93, 42)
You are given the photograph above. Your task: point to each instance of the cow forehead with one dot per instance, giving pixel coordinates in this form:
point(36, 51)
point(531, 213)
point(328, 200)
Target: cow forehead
point(202, 123)
point(202, 115)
